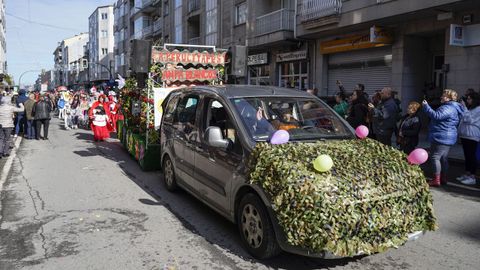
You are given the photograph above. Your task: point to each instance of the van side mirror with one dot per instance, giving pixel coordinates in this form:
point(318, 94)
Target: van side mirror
point(214, 138)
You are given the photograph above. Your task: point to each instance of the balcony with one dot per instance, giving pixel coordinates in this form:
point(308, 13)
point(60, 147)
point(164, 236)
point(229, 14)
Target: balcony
point(147, 31)
point(146, 3)
point(157, 26)
point(280, 20)
point(193, 5)
point(274, 28)
point(143, 33)
point(194, 41)
point(312, 10)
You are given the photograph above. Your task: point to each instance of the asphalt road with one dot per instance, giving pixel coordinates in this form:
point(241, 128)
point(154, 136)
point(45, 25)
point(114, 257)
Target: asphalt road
point(70, 203)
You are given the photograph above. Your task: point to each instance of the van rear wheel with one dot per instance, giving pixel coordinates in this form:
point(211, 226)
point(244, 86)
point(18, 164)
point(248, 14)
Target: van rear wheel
point(169, 174)
point(256, 230)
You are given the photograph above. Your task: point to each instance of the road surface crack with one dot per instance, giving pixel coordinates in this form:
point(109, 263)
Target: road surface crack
point(31, 193)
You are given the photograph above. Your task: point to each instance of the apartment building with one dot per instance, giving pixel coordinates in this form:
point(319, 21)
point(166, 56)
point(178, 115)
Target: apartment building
point(192, 22)
point(45, 81)
point(302, 44)
point(68, 57)
point(135, 19)
point(417, 47)
point(101, 44)
point(3, 41)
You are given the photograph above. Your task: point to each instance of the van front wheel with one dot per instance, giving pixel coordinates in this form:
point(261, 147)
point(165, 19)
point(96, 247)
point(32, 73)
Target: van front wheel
point(255, 227)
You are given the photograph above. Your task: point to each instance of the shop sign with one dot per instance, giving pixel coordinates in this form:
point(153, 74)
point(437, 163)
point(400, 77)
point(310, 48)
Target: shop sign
point(186, 57)
point(257, 59)
point(292, 56)
point(191, 74)
point(377, 37)
point(380, 35)
point(457, 35)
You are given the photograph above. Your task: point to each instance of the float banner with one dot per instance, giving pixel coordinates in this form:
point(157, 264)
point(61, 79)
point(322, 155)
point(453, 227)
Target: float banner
point(159, 95)
point(186, 57)
point(182, 75)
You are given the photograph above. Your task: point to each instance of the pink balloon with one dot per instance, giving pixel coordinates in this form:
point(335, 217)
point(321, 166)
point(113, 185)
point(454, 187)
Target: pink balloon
point(361, 132)
point(280, 137)
point(418, 156)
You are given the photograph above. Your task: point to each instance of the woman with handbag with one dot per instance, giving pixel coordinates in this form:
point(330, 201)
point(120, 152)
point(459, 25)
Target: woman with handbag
point(469, 133)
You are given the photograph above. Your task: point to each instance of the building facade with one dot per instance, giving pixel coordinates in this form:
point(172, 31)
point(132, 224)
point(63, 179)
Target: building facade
point(301, 44)
point(68, 57)
point(418, 48)
point(101, 44)
point(3, 41)
point(45, 81)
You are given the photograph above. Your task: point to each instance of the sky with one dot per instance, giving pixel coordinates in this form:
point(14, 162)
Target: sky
point(34, 28)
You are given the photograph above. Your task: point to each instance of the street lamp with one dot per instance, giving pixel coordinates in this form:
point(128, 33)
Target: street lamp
point(21, 75)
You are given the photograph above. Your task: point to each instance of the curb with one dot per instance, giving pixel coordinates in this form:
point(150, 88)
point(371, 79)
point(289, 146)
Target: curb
point(8, 164)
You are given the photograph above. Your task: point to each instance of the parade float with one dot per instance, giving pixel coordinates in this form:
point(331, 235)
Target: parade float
point(172, 66)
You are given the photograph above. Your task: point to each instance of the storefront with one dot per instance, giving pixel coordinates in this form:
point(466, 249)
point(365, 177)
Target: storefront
point(360, 59)
point(258, 69)
point(293, 70)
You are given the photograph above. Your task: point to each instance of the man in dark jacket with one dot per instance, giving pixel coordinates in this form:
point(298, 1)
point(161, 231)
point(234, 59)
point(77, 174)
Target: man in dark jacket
point(20, 123)
point(42, 110)
point(384, 117)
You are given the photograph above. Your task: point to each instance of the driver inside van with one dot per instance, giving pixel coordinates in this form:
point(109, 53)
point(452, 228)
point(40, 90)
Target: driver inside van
point(255, 119)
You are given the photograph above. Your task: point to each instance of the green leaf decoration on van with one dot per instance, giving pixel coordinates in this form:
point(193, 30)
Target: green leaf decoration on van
point(369, 201)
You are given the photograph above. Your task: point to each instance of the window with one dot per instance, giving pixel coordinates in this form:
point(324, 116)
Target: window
point(166, 8)
point(217, 116)
point(122, 10)
point(303, 118)
point(104, 33)
point(178, 21)
point(241, 13)
point(211, 23)
point(170, 109)
point(104, 16)
point(104, 51)
point(186, 113)
point(259, 75)
point(294, 75)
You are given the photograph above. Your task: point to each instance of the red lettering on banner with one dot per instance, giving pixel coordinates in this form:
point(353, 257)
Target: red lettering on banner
point(185, 58)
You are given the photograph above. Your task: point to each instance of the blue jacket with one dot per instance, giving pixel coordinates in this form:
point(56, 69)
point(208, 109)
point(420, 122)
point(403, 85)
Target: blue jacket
point(444, 122)
point(22, 97)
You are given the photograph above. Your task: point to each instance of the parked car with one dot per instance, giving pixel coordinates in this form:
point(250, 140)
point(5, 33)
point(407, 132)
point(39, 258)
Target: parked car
point(207, 135)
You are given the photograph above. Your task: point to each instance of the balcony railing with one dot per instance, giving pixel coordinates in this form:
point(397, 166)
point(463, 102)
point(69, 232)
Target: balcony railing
point(193, 5)
point(144, 32)
point(157, 25)
point(147, 31)
point(194, 41)
point(146, 3)
point(317, 9)
point(280, 20)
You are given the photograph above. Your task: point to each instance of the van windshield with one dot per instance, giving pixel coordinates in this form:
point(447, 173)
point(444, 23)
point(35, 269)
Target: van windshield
point(303, 118)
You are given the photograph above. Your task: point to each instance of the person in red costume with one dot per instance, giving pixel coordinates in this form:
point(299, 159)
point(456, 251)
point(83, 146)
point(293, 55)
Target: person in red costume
point(112, 105)
point(100, 117)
